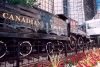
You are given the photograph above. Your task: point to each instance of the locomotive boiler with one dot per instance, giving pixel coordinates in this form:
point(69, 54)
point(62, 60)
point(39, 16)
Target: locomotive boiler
point(29, 31)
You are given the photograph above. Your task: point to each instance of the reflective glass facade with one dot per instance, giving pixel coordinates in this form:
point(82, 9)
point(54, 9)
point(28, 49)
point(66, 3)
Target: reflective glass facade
point(47, 5)
point(60, 7)
point(90, 9)
point(81, 10)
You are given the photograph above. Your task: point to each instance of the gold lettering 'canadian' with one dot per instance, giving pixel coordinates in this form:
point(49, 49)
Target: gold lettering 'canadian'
point(20, 19)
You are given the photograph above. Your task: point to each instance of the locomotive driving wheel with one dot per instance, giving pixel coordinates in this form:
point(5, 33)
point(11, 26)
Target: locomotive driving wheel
point(3, 49)
point(50, 48)
point(87, 44)
point(80, 42)
point(72, 42)
point(60, 46)
point(25, 48)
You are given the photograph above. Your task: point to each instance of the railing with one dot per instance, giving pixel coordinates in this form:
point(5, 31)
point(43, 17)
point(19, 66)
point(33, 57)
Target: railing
point(30, 53)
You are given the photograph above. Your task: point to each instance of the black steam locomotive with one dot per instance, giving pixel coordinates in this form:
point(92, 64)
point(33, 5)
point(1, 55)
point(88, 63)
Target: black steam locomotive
point(28, 31)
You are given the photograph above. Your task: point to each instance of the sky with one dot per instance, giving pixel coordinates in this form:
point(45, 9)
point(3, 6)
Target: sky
point(98, 4)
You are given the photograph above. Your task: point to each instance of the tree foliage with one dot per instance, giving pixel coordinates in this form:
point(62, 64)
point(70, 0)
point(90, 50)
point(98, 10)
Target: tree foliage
point(23, 2)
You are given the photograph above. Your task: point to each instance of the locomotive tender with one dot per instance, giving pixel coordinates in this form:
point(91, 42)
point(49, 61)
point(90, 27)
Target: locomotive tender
point(25, 31)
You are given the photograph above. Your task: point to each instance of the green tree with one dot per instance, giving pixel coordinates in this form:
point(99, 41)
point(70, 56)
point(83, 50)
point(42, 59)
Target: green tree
point(23, 2)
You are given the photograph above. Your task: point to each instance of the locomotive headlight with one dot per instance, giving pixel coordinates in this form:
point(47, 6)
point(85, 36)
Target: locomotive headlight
point(3, 49)
point(25, 48)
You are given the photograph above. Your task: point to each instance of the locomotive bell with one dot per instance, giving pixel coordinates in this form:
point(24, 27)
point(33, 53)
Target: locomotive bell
point(3, 49)
point(25, 48)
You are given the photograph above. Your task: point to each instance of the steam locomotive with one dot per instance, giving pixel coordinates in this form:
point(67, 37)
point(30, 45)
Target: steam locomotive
point(29, 31)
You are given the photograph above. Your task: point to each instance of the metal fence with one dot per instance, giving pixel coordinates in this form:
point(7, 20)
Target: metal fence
point(19, 53)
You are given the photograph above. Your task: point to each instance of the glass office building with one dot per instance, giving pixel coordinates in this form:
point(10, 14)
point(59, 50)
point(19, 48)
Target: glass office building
point(47, 5)
point(90, 9)
point(81, 10)
point(60, 7)
point(54, 6)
